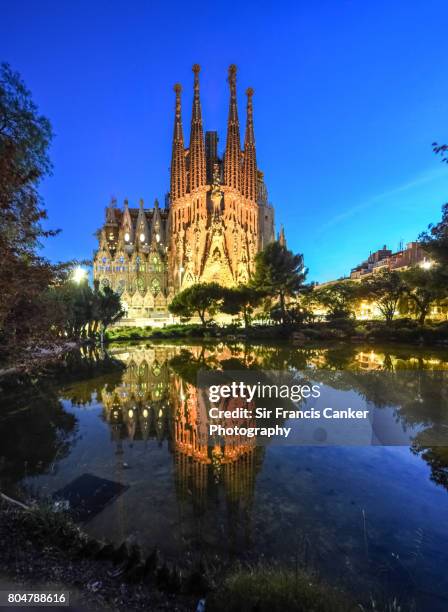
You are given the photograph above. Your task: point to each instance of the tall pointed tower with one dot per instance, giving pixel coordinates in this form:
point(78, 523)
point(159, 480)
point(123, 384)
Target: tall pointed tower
point(232, 156)
point(249, 173)
point(178, 170)
point(197, 148)
point(178, 190)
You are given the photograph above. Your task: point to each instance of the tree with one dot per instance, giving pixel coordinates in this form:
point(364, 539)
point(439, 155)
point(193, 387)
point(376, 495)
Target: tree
point(242, 299)
point(435, 239)
point(385, 289)
point(442, 150)
point(25, 136)
point(78, 311)
point(424, 287)
point(278, 274)
point(107, 308)
point(338, 298)
point(200, 299)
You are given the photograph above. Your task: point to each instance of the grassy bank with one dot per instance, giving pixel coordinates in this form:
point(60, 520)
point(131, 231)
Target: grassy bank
point(273, 589)
point(41, 547)
point(400, 331)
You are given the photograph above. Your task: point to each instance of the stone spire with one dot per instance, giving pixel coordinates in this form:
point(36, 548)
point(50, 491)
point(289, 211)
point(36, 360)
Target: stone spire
point(232, 158)
point(197, 149)
point(178, 170)
point(249, 174)
point(282, 237)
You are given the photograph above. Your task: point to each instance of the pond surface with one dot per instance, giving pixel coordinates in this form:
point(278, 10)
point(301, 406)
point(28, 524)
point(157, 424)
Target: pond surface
point(372, 518)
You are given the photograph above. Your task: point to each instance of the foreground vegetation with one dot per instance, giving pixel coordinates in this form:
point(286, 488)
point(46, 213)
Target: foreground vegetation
point(267, 588)
point(43, 546)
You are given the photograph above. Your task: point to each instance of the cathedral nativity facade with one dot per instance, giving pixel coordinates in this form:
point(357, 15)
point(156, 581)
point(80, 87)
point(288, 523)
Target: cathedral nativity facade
point(215, 219)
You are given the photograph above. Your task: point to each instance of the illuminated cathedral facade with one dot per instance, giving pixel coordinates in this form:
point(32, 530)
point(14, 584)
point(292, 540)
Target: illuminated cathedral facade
point(215, 218)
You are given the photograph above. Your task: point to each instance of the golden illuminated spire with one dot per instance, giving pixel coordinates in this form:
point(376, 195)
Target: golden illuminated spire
point(197, 148)
point(178, 170)
point(249, 174)
point(232, 158)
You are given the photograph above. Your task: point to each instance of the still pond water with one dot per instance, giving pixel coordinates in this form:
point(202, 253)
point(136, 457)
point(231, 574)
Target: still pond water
point(372, 518)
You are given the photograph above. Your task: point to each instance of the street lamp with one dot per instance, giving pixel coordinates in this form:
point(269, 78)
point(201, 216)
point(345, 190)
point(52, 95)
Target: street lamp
point(79, 274)
point(426, 264)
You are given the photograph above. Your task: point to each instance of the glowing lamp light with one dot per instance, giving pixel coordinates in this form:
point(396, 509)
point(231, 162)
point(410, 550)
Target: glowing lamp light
point(426, 264)
point(127, 237)
point(142, 237)
point(130, 413)
point(145, 413)
point(79, 274)
point(158, 237)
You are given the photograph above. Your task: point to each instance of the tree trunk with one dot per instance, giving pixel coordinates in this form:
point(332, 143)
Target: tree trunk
point(282, 307)
point(201, 314)
point(423, 315)
point(246, 318)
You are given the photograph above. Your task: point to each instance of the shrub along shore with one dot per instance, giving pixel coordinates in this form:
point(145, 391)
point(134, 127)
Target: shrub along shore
point(400, 330)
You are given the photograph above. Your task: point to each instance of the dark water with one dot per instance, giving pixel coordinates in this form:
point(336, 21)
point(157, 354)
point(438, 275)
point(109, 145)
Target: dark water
point(371, 518)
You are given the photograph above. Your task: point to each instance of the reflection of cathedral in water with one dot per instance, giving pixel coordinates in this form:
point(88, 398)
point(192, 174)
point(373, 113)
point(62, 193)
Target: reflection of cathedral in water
point(153, 402)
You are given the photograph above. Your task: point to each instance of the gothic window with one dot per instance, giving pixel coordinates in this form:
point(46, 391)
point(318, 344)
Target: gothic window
point(155, 286)
point(121, 286)
point(121, 260)
point(155, 264)
point(156, 369)
point(104, 260)
point(105, 282)
point(141, 284)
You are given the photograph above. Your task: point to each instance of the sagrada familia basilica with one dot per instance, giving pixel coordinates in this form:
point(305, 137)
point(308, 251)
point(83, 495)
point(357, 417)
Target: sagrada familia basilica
point(215, 219)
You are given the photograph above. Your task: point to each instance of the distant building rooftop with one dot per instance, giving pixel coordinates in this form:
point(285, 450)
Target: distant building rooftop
point(385, 259)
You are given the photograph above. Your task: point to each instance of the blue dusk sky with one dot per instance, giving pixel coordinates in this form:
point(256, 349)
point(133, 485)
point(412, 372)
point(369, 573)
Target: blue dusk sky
point(349, 96)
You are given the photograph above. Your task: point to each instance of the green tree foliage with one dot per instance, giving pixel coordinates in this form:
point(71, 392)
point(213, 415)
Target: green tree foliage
point(199, 300)
point(25, 136)
point(423, 288)
point(241, 300)
point(385, 289)
point(78, 311)
point(338, 298)
point(279, 274)
point(107, 308)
